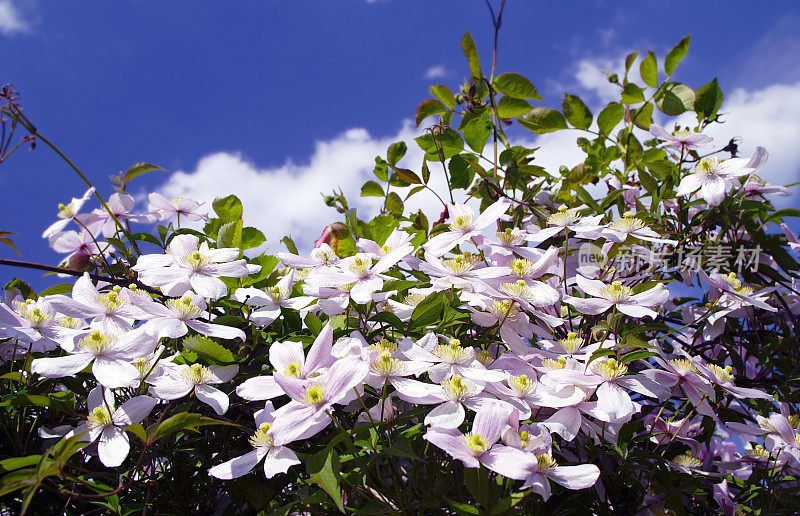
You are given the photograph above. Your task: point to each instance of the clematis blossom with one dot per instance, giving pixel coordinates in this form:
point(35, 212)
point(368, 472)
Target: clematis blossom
point(464, 226)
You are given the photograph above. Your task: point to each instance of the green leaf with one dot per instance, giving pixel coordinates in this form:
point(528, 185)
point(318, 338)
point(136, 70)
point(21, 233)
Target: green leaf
point(639, 354)
point(509, 107)
point(323, 468)
point(207, 348)
point(290, 245)
point(648, 70)
point(476, 133)
point(461, 174)
point(602, 352)
point(62, 288)
point(576, 112)
point(228, 209)
point(138, 169)
point(138, 430)
point(507, 503)
point(267, 264)
point(407, 175)
point(230, 234)
point(675, 98)
point(445, 96)
point(629, 60)
point(382, 226)
point(609, 117)
point(449, 141)
point(251, 238)
point(59, 401)
point(516, 86)
point(643, 116)
point(395, 152)
point(394, 203)
point(178, 422)
point(381, 169)
point(632, 94)
point(428, 310)
point(471, 53)
point(542, 120)
point(427, 108)
point(676, 55)
point(15, 463)
point(372, 189)
point(708, 100)
point(313, 323)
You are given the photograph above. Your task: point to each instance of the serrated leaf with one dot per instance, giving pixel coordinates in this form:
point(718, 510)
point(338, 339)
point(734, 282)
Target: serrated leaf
point(676, 55)
point(406, 175)
point(471, 53)
point(461, 175)
point(516, 86)
point(543, 120)
point(444, 95)
point(632, 94)
point(251, 238)
point(394, 203)
point(323, 468)
point(448, 140)
point(509, 107)
point(372, 189)
point(675, 98)
point(609, 117)
point(207, 348)
point(395, 152)
point(648, 70)
point(708, 100)
point(230, 234)
point(228, 209)
point(576, 112)
point(643, 116)
point(427, 108)
point(476, 133)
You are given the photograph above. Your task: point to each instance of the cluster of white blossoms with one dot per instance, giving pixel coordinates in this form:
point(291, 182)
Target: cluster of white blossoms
point(530, 371)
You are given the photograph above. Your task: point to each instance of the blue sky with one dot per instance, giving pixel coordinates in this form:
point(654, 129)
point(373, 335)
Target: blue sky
point(280, 100)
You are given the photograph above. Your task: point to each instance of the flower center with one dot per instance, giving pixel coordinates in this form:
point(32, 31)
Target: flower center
point(610, 369)
point(510, 237)
point(111, 300)
point(723, 374)
point(504, 310)
point(458, 388)
point(326, 256)
point(195, 261)
point(461, 263)
point(385, 365)
point(413, 299)
point(627, 224)
point(461, 223)
point(525, 438)
point(66, 211)
point(707, 167)
point(484, 357)
point(757, 451)
point(683, 366)
point(476, 443)
point(361, 264)
point(521, 384)
point(616, 292)
point(546, 462)
point(184, 308)
point(453, 353)
point(687, 460)
point(521, 268)
point(99, 417)
point(294, 369)
point(197, 374)
point(315, 395)
point(277, 293)
point(261, 439)
point(96, 342)
point(564, 217)
point(572, 343)
point(33, 315)
point(385, 346)
point(560, 363)
point(69, 322)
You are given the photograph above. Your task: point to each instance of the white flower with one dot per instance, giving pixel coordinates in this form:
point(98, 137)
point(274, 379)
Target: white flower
point(712, 177)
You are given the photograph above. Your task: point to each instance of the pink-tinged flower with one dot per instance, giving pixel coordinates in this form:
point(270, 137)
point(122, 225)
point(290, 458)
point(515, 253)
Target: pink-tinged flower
point(736, 294)
point(270, 300)
point(452, 359)
point(791, 237)
point(112, 355)
point(566, 219)
point(514, 325)
point(541, 469)
point(464, 225)
point(180, 380)
point(107, 422)
point(165, 208)
point(288, 358)
point(109, 311)
point(681, 139)
point(463, 271)
point(100, 221)
point(479, 446)
point(322, 256)
point(189, 267)
point(712, 177)
point(277, 459)
point(80, 246)
point(174, 318)
point(723, 377)
point(387, 361)
point(683, 372)
point(398, 239)
point(358, 273)
point(309, 412)
point(450, 397)
point(621, 229)
point(66, 213)
point(32, 322)
point(619, 296)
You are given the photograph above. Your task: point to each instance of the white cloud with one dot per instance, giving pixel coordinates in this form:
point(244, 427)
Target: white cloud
point(437, 72)
point(286, 200)
point(11, 21)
